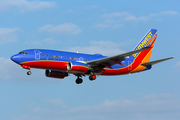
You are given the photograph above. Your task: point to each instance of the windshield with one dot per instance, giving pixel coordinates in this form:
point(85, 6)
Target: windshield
point(23, 53)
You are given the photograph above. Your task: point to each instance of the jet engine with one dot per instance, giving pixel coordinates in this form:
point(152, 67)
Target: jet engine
point(55, 74)
point(77, 67)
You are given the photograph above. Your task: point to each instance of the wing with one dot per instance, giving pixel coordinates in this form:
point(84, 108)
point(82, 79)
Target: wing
point(99, 64)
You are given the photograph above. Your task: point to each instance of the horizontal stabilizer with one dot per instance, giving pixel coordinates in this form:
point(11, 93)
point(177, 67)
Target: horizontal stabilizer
point(155, 62)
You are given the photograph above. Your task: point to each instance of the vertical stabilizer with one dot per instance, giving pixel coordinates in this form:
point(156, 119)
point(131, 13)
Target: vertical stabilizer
point(147, 41)
point(144, 56)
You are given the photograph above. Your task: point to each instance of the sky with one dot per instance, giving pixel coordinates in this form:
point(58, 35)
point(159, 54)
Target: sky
point(105, 27)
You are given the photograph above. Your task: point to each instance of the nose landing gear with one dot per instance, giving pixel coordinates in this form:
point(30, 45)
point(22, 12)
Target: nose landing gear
point(27, 67)
point(29, 73)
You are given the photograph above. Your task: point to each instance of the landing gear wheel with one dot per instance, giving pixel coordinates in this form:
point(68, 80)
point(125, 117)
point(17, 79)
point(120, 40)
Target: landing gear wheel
point(29, 73)
point(92, 77)
point(79, 81)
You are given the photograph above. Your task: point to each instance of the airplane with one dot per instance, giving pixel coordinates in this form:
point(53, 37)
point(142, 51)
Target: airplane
point(59, 64)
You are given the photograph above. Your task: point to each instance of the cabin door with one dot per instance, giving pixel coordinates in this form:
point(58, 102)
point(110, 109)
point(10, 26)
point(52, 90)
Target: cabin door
point(37, 54)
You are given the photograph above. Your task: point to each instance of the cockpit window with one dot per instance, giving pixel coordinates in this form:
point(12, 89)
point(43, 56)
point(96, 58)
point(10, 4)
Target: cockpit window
point(23, 53)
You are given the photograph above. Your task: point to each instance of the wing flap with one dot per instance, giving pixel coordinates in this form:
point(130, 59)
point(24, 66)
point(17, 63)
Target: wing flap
point(156, 61)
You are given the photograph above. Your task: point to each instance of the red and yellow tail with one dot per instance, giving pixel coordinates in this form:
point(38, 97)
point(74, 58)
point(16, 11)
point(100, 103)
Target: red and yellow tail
point(144, 56)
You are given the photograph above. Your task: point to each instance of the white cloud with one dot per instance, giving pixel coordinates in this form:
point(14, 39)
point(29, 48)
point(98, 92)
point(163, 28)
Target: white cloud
point(177, 64)
point(70, 11)
point(102, 47)
point(166, 13)
point(10, 70)
point(8, 35)
point(92, 7)
point(24, 5)
point(40, 42)
point(49, 41)
point(163, 106)
point(56, 102)
point(148, 107)
point(65, 28)
point(125, 16)
point(117, 19)
point(101, 25)
point(7, 69)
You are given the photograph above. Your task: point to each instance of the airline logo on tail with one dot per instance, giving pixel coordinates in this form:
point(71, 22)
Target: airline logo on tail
point(144, 42)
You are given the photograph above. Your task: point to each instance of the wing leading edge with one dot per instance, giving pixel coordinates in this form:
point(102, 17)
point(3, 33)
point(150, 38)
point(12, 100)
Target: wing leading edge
point(116, 57)
point(99, 64)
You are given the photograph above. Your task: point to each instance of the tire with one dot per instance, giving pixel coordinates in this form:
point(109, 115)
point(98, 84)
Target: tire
point(92, 77)
point(29, 73)
point(79, 81)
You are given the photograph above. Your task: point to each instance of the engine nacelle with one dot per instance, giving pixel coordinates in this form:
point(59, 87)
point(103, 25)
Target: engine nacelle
point(55, 74)
point(77, 67)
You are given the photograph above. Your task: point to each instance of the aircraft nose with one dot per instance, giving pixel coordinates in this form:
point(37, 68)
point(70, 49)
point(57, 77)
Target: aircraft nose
point(15, 58)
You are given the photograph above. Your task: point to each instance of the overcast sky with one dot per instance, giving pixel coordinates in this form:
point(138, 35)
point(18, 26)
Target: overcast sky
point(105, 27)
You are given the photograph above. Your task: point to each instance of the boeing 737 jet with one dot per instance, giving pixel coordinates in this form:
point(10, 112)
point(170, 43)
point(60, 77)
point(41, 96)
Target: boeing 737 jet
point(59, 64)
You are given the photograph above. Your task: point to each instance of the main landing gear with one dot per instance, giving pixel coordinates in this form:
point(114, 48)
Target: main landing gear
point(92, 77)
point(79, 80)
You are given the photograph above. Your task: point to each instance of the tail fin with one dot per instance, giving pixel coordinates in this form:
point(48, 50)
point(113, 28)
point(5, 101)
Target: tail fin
point(147, 41)
point(144, 56)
